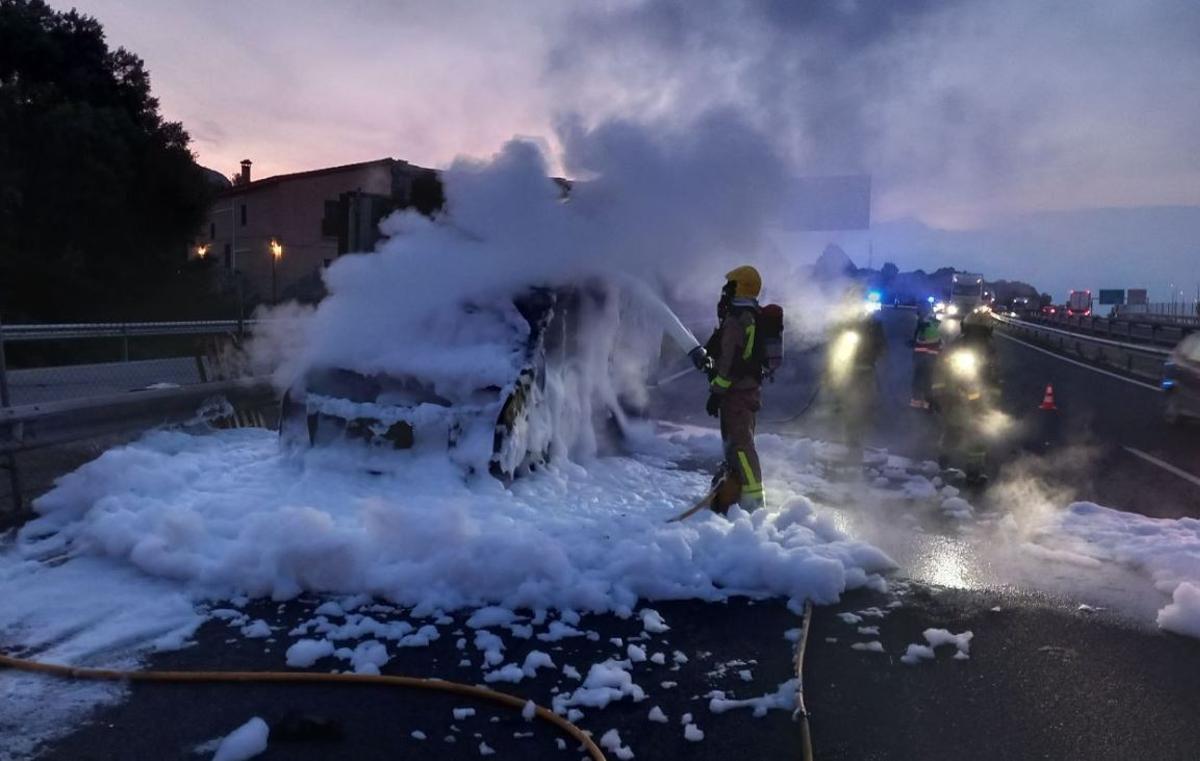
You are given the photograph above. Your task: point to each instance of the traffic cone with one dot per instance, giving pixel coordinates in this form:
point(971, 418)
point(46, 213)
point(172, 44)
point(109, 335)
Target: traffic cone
point(1048, 399)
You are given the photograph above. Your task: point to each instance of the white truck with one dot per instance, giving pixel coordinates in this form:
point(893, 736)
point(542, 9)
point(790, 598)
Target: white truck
point(966, 293)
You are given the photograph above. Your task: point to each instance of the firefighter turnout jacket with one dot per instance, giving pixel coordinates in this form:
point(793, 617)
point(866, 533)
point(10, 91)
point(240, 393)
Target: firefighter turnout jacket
point(737, 362)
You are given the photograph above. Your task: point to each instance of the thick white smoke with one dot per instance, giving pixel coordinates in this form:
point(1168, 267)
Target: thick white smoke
point(651, 210)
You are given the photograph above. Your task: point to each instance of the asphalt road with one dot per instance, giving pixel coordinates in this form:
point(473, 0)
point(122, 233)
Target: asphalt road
point(368, 722)
point(1099, 445)
point(1044, 678)
point(1102, 423)
point(49, 384)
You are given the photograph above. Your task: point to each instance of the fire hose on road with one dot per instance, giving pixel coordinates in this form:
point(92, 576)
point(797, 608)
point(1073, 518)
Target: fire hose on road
point(801, 713)
point(418, 683)
point(307, 677)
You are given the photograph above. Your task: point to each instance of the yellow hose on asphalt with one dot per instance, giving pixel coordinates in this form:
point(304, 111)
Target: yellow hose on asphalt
point(806, 751)
point(310, 677)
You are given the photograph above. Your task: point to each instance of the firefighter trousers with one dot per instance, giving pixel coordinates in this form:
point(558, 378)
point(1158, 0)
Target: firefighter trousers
point(922, 380)
point(739, 411)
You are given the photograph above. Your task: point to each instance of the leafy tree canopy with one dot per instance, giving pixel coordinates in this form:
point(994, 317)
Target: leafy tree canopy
point(99, 195)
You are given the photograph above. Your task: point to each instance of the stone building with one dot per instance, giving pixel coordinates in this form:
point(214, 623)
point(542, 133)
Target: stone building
point(271, 237)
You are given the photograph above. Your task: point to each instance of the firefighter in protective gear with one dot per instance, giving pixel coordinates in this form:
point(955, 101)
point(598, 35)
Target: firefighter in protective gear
point(735, 388)
point(855, 348)
point(927, 345)
point(961, 390)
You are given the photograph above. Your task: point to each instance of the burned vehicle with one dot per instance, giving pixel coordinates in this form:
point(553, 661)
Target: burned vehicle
point(492, 402)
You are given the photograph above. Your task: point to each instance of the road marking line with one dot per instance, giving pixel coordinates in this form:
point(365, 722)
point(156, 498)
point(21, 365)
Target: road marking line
point(1164, 465)
point(1084, 365)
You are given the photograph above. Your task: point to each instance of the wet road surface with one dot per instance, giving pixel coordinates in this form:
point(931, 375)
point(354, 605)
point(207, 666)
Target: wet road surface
point(1045, 679)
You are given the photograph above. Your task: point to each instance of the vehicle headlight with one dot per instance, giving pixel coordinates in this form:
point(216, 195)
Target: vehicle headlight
point(952, 310)
point(841, 353)
point(965, 364)
point(940, 306)
point(844, 346)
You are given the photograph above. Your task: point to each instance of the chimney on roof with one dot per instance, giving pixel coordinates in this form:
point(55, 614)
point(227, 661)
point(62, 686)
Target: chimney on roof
point(245, 178)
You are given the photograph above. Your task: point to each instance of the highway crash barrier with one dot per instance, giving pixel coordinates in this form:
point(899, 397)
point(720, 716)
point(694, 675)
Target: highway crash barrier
point(1140, 359)
point(1134, 328)
point(32, 426)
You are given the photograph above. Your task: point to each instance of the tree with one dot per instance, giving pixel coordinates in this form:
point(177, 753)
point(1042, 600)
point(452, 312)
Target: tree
point(99, 196)
point(888, 273)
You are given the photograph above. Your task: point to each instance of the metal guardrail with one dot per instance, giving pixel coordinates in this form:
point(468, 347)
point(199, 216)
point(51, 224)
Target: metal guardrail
point(1158, 319)
point(1177, 312)
point(70, 400)
point(1135, 347)
point(52, 332)
point(1131, 329)
point(1139, 359)
point(32, 426)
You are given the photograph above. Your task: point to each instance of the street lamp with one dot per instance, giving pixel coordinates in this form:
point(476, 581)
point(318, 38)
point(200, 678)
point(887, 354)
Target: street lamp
point(276, 254)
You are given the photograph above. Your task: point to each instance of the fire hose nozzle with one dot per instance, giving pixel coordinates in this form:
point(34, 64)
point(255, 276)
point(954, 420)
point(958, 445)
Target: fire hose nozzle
point(700, 358)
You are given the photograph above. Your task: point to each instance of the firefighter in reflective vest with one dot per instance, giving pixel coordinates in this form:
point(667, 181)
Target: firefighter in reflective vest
point(735, 390)
point(927, 345)
point(857, 344)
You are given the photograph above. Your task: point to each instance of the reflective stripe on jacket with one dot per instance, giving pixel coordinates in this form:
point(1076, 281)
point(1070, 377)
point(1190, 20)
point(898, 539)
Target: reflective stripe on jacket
point(736, 342)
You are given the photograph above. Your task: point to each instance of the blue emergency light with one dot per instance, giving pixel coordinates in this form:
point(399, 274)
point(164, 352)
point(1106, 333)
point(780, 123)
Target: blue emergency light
point(930, 299)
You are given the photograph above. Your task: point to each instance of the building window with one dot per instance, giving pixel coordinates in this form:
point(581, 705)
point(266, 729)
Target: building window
point(228, 258)
point(333, 220)
point(212, 230)
point(243, 215)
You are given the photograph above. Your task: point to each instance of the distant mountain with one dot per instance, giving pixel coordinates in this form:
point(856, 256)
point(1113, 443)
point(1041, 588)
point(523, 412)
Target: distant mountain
point(833, 263)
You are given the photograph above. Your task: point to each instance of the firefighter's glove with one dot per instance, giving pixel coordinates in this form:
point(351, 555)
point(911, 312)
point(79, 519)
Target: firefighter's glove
point(713, 406)
point(700, 359)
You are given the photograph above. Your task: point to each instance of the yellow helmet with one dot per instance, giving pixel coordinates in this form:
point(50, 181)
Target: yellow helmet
point(747, 281)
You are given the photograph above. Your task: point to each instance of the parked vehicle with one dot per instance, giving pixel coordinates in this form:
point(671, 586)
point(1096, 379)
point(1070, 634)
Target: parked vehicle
point(1079, 303)
point(1181, 380)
